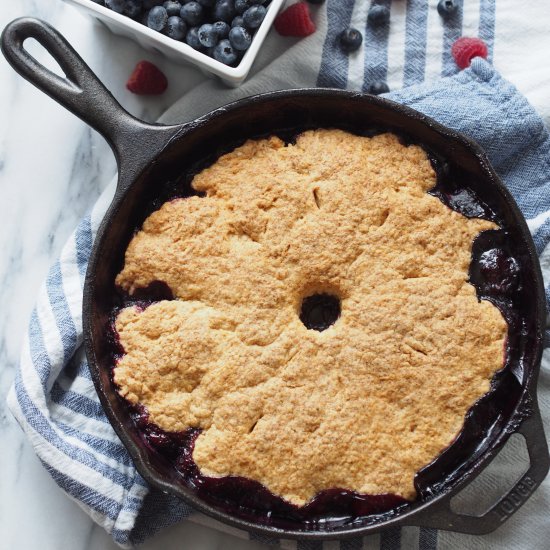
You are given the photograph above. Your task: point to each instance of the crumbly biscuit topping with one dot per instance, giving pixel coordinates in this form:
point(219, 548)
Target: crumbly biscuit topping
point(362, 405)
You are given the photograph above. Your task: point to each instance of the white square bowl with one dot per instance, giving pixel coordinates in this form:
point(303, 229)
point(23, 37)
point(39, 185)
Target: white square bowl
point(179, 51)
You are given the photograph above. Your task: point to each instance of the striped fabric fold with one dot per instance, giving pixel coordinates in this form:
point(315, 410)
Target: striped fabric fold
point(334, 62)
point(53, 397)
point(376, 54)
point(416, 32)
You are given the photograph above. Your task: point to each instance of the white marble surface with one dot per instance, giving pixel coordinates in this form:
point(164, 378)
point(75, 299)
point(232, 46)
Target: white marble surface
point(52, 168)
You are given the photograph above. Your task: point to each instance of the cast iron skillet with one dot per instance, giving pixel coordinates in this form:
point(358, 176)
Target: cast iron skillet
point(151, 161)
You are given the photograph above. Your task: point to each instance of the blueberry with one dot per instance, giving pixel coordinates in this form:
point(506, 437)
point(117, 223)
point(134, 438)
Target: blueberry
point(206, 3)
point(133, 8)
point(237, 21)
point(500, 272)
point(222, 29)
point(116, 5)
point(172, 7)
point(242, 5)
point(175, 28)
point(100, 2)
point(224, 10)
point(224, 52)
point(208, 36)
point(350, 39)
point(254, 16)
point(447, 8)
point(140, 415)
point(192, 38)
point(159, 439)
point(378, 87)
point(240, 38)
point(192, 13)
point(378, 15)
point(157, 18)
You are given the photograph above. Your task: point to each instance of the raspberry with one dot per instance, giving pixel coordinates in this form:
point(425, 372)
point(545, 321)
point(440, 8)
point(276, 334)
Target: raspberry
point(465, 49)
point(295, 21)
point(147, 79)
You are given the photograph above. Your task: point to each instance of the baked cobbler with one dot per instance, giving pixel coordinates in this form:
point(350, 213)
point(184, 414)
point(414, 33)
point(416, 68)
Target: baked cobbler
point(322, 331)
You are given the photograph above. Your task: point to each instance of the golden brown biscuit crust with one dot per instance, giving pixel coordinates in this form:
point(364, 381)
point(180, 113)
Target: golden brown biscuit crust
point(362, 405)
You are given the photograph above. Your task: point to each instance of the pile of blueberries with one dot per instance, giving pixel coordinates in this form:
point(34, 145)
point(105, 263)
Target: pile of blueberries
point(222, 29)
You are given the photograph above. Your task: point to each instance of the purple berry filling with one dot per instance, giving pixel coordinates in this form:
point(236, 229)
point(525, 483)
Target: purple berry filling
point(248, 495)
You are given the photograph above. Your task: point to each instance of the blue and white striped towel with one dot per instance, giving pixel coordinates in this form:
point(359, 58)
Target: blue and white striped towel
point(53, 397)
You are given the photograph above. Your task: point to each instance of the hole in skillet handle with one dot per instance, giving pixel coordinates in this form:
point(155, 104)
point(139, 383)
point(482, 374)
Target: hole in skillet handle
point(508, 467)
point(43, 57)
point(443, 516)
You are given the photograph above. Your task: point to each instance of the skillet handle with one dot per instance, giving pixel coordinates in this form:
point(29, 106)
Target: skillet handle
point(80, 91)
point(539, 462)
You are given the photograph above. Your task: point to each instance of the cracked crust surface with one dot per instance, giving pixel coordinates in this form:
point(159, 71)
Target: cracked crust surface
point(362, 405)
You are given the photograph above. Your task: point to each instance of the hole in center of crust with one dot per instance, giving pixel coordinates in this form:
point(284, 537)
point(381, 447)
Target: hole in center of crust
point(320, 311)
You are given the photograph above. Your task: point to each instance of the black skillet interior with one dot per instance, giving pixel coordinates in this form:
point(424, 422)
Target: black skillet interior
point(157, 163)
